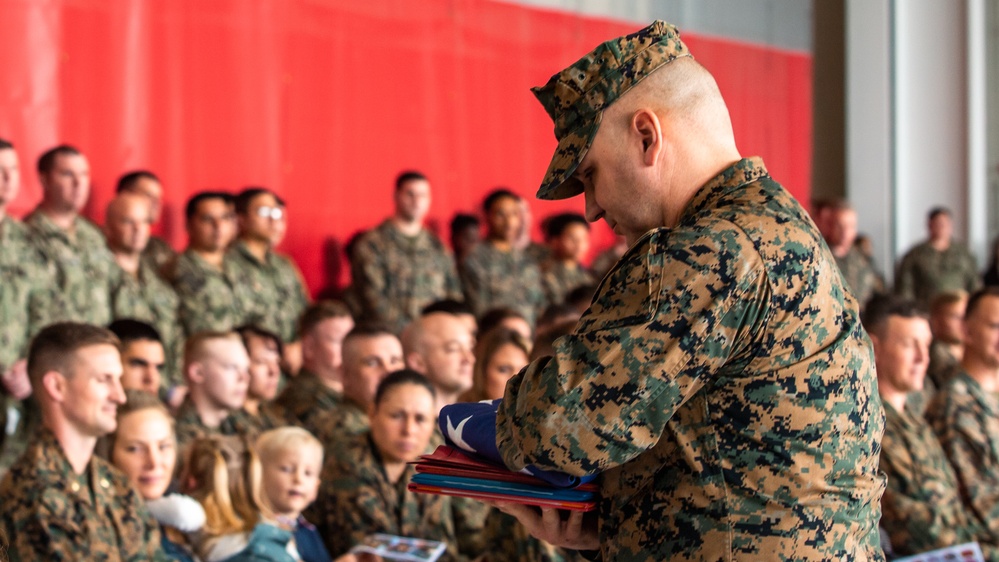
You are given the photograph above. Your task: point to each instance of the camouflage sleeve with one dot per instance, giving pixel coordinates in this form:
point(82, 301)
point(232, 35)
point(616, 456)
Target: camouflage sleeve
point(905, 282)
point(369, 274)
point(452, 282)
point(469, 525)
point(472, 284)
point(349, 508)
point(665, 321)
point(911, 522)
point(972, 277)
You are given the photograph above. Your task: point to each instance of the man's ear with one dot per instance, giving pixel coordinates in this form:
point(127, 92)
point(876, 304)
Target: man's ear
point(646, 127)
point(195, 373)
point(416, 362)
point(54, 384)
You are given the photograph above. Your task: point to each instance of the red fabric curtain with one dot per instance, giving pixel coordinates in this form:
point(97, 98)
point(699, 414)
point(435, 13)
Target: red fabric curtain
point(326, 101)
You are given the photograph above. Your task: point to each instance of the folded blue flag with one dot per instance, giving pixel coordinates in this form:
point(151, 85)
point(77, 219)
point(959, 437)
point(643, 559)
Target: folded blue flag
point(471, 427)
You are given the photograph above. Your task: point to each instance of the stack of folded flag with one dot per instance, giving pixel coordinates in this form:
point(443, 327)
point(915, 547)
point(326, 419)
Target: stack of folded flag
point(470, 466)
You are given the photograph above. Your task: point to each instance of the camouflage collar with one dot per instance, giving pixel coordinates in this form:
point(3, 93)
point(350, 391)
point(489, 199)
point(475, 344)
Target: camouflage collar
point(737, 175)
point(244, 250)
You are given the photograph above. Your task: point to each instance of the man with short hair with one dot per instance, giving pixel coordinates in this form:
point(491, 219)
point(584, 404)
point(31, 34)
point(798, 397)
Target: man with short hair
point(399, 266)
point(369, 353)
point(85, 268)
point(921, 508)
point(947, 325)
point(440, 347)
point(318, 387)
point(964, 413)
point(216, 368)
point(158, 253)
point(59, 501)
point(720, 383)
point(143, 359)
point(856, 268)
point(270, 291)
point(204, 281)
point(562, 272)
point(140, 293)
point(938, 264)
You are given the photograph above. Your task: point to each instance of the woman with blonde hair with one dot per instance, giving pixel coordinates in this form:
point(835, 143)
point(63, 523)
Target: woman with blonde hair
point(501, 354)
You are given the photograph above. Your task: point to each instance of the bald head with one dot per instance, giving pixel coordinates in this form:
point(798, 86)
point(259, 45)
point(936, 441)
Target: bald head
point(127, 222)
point(441, 347)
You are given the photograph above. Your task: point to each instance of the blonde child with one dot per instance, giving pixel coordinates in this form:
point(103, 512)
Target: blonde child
point(291, 460)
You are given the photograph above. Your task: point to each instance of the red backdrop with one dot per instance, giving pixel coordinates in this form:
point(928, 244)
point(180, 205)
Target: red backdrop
point(325, 101)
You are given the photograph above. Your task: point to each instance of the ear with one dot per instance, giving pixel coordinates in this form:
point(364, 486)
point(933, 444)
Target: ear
point(645, 126)
point(416, 362)
point(54, 383)
point(195, 373)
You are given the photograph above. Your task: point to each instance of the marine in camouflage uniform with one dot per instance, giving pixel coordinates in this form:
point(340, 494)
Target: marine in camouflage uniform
point(921, 507)
point(356, 499)
point(51, 513)
point(158, 255)
point(149, 298)
point(189, 426)
point(860, 275)
point(207, 295)
point(925, 271)
point(396, 275)
point(492, 278)
point(269, 293)
point(306, 397)
point(965, 418)
point(721, 383)
point(508, 541)
point(84, 268)
point(346, 421)
point(943, 364)
point(560, 279)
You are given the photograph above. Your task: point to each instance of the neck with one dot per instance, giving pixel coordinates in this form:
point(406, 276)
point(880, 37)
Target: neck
point(128, 261)
point(940, 244)
point(63, 219)
point(331, 378)
point(252, 405)
point(77, 448)
point(501, 244)
point(840, 250)
point(985, 375)
point(407, 227)
point(445, 398)
point(214, 258)
point(895, 398)
point(706, 162)
point(394, 470)
point(258, 248)
point(956, 350)
point(210, 414)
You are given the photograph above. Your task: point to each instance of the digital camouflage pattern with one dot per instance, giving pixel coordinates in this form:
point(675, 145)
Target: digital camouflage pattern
point(925, 271)
point(860, 275)
point(559, 279)
point(149, 298)
point(395, 275)
point(207, 295)
point(965, 418)
point(84, 268)
point(269, 294)
point(158, 255)
point(356, 499)
point(305, 397)
point(26, 295)
point(339, 424)
point(50, 513)
point(943, 364)
point(189, 426)
point(723, 387)
point(576, 97)
point(493, 278)
point(921, 508)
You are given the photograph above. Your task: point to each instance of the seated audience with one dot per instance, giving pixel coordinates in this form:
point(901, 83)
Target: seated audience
point(921, 507)
point(568, 236)
point(498, 273)
point(291, 460)
point(938, 264)
point(223, 474)
point(59, 501)
point(964, 414)
point(158, 252)
point(318, 387)
point(508, 318)
point(264, 351)
point(947, 325)
point(455, 308)
point(363, 488)
point(841, 236)
point(466, 232)
point(499, 356)
point(142, 355)
point(440, 347)
point(144, 447)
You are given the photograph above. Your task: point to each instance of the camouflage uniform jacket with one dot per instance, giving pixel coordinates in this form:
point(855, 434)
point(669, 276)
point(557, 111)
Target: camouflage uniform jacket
point(493, 278)
point(722, 385)
point(158, 255)
point(207, 295)
point(189, 426)
point(269, 294)
point(921, 507)
point(860, 275)
point(560, 279)
point(148, 298)
point(965, 419)
point(346, 421)
point(305, 397)
point(943, 365)
point(924, 271)
point(51, 513)
point(396, 275)
point(84, 268)
point(508, 541)
point(26, 294)
point(356, 499)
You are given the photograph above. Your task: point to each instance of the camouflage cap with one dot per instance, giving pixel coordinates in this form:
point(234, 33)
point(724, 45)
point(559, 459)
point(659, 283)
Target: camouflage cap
point(576, 97)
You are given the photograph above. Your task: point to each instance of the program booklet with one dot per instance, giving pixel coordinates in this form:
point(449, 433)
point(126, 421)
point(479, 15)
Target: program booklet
point(967, 552)
point(392, 547)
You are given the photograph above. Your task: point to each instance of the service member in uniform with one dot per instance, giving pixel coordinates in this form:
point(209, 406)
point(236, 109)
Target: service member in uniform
point(399, 266)
point(568, 235)
point(947, 324)
point(59, 501)
point(938, 264)
point(857, 269)
point(721, 383)
point(158, 253)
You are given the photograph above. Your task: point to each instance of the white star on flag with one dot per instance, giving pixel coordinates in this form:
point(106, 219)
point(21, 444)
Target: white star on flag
point(454, 434)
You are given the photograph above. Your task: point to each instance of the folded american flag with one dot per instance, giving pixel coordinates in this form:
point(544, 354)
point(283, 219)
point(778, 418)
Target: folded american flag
point(471, 427)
